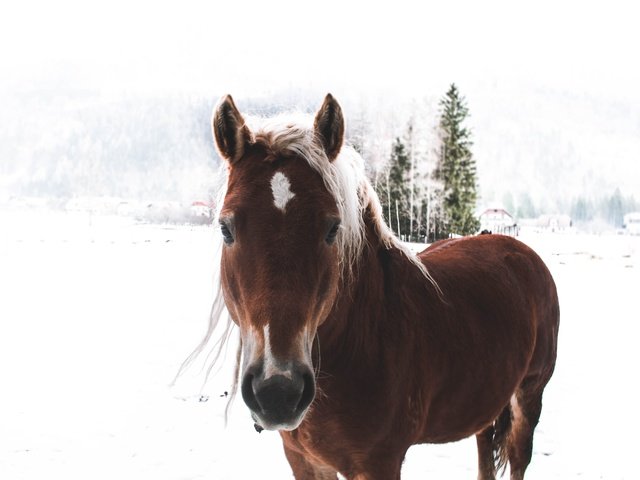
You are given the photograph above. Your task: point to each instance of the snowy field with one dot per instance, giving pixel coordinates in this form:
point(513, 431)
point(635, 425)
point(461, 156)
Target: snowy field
point(97, 313)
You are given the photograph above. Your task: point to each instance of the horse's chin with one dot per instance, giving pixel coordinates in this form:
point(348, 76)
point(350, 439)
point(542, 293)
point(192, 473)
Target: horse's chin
point(261, 423)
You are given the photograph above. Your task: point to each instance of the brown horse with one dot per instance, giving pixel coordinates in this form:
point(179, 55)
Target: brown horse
point(353, 347)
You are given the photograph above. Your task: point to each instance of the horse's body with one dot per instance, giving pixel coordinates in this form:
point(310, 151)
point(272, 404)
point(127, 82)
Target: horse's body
point(351, 348)
point(442, 366)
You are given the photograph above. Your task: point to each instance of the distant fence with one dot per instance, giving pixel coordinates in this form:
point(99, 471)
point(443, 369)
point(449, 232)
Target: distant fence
point(511, 230)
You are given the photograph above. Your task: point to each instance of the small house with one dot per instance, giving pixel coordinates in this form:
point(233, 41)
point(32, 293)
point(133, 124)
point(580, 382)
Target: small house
point(498, 220)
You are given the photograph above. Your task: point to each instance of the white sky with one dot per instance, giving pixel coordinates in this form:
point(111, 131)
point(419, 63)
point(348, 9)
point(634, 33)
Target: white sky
point(253, 47)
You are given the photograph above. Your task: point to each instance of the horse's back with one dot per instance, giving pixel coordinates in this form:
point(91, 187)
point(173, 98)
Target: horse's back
point(503, 269)
point(508, 262)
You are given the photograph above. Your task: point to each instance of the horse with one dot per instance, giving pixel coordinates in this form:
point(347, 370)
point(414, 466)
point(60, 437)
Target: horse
point(352, 347)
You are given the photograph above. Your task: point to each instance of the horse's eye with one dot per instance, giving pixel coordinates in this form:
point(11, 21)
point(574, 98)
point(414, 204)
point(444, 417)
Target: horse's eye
point(333, 233)
point(226, 234)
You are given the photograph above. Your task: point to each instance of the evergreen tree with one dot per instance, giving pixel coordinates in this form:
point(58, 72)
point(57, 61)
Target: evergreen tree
point(615, 209)
point(526, 208)
point(456, 167)
point(401, 189)
point(581, 210)
point(508, 202)
point(398, 193)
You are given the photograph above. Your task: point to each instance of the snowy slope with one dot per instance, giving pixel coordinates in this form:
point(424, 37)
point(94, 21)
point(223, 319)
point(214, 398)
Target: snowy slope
point(96, 314)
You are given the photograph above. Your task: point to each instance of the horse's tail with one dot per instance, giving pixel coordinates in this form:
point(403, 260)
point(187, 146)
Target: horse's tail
point(502, 427)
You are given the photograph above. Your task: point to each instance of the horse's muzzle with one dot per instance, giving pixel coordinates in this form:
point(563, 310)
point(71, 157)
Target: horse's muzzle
point(280, 401)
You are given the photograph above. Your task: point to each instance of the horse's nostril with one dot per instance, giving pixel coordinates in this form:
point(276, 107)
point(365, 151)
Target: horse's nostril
point(248, 394)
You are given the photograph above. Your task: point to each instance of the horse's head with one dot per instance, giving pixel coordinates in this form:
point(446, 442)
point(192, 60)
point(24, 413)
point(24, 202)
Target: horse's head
point(281, 263)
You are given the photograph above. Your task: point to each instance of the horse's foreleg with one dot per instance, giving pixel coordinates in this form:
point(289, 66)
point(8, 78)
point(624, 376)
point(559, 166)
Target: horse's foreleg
point(303, 469)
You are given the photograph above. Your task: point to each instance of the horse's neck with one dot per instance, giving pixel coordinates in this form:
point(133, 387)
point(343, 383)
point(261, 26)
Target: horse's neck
point(375, 302)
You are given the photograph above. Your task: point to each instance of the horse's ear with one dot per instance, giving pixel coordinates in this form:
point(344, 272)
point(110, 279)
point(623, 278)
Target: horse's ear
point(329, 126)
point(230, 130)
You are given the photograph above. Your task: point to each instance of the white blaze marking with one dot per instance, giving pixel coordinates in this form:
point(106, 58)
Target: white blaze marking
point(273, 367)
point(281, 189)
point(269, 363)
point(270, 367)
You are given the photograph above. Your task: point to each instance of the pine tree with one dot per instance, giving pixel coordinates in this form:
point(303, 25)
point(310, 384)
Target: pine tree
point(398, 190)
point(581, 210)
point(456, 167)
point(615, 209)
point(526, 207)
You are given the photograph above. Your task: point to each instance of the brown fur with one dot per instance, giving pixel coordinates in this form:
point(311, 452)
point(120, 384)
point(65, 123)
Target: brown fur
point(401, 362)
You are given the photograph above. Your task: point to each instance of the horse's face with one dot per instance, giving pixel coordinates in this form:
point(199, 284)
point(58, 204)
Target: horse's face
point(280, 266)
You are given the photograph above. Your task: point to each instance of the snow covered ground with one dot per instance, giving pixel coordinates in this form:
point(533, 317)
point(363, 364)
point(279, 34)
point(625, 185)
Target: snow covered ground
point(97, 313)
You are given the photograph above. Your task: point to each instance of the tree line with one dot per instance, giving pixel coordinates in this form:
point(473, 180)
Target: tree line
point(429, 204)
point(417, 151)
point(608, 208)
